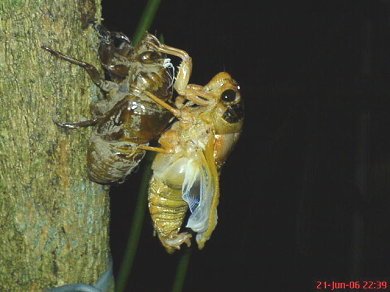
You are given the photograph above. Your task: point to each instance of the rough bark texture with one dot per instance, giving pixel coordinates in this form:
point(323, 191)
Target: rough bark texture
point(53, 220)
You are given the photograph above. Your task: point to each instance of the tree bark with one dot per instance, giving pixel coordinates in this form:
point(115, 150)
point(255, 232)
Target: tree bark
point(53, 220)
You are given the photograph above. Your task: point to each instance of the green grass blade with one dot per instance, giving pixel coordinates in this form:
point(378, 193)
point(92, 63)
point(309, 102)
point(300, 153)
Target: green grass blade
point(136, 227)
point(139, 213)
point(181, 271)
point(146, 20)
point(140, 208)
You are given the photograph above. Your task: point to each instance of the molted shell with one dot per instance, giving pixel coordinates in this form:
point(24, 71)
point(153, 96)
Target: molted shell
point(111, 161)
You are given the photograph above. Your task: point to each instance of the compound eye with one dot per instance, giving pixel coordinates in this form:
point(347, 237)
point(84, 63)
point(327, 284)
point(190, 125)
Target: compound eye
point(234, 113)
point(120, 40)
point(149, 57)
point(228, 95)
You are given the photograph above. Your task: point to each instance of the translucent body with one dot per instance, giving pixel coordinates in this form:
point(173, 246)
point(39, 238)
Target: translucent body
point(186, 169)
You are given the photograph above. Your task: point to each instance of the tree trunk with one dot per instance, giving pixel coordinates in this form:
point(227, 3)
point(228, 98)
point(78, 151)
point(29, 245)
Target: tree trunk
point(53, 220)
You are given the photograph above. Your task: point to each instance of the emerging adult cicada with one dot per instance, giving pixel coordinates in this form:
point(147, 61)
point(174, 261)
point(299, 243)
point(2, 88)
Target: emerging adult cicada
point(191, 153)
point(124, 118)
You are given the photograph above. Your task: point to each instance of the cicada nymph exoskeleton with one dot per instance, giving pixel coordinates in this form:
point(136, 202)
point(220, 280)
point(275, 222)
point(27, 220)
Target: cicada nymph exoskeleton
point(124, 118)
point(187, 166)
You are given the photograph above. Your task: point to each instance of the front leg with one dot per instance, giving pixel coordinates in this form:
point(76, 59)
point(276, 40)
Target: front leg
point(154, 149)
point(158, 100)
point(191, 92)
point(76, 125)
point(103, 84)
point(185, 67)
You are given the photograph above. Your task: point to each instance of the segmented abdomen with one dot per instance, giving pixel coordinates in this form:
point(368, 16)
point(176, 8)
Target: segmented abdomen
point(167, 209)
point(111, 161)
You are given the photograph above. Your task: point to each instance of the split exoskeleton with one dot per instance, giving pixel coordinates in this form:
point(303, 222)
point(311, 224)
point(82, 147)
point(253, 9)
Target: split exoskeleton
point(137, 108)
point(191, 153)
point(124, 118)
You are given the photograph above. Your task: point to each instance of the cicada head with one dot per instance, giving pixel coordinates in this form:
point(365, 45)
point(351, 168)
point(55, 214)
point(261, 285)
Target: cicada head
point(114, 49)
point(227, 115)
point(112, 44)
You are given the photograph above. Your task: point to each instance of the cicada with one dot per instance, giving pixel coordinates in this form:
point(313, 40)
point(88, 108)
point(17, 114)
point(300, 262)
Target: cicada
point(124, 118)
point(191, 153)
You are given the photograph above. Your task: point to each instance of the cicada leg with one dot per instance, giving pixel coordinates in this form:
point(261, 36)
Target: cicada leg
point(159, 101)
point(154, 149)
point(185, 68)
point(104, 85)
point(189, 91)
point(75, 125)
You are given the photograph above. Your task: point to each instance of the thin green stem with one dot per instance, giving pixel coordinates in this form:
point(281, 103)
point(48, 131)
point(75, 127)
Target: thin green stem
point(181, 271)
point(146, 19)
point(140, 208)
point(136, 227)
point(139, 214)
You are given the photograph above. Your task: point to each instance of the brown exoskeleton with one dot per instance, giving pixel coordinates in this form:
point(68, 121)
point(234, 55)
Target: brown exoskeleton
point(191, 153)
point(124, 118)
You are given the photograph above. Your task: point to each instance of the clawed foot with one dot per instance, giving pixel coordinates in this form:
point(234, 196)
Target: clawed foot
point(70, 125)
point(153, 43)
point(173, 243)
point(159, 47)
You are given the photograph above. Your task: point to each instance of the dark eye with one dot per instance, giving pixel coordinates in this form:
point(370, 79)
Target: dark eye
point(149, 57)
point(228, 95)
point(120, 40)
point(234, 113)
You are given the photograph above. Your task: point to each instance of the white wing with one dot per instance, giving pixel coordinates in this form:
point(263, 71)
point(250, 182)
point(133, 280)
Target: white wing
point(198, 191)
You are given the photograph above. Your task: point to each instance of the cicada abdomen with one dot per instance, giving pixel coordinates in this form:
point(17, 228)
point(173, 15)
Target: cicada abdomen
point(191, 153)
point(168, 210)
point(125, 118)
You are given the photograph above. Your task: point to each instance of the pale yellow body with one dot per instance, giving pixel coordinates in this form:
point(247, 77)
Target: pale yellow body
point(167, 210)
point(186, 169)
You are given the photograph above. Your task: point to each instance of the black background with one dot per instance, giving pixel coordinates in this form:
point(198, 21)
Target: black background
point(305, 194)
